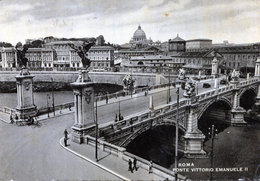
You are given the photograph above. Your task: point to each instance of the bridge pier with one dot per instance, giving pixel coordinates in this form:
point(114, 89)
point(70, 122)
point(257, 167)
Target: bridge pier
point(237, 112)
point(84, 107)
point(25, 98)
point(193, 137)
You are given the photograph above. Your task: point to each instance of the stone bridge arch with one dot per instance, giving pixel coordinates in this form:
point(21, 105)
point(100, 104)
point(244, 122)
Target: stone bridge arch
point(247, 97)
point(143, 128)
point(217, 112)
point(204, 106)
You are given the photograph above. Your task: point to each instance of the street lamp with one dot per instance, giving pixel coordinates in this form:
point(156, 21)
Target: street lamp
point(177, 134)
point(169, 90)
point(48, 97)
point(52, 97)
point(212, 135)
point(96, 146)
point(197, 84)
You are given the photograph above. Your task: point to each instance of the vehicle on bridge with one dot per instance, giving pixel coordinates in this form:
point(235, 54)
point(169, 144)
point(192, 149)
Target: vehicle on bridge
point(206, 85)
point(223, 81)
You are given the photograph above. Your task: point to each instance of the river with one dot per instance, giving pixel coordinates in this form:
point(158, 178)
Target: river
point(40, 99)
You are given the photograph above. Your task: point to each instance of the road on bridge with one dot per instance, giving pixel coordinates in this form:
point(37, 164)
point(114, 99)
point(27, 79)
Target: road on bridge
point(140, 103)
point(35, 154)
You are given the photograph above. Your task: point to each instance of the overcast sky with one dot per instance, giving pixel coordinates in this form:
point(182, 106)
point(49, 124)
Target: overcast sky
point(237, 21)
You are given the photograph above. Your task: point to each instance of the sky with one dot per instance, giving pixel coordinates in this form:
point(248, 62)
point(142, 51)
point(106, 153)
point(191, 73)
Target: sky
point(237, 21)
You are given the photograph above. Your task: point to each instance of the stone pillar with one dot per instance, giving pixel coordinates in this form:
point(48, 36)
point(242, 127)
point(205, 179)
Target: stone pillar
point(193, 137)
point(25, 98)
point(84, 123)
point(214, 71)
point(237, 112)
point(151, 107)
point(257, 75)
point(257, 67)
point(247, 76)
point(199, 74)
point(216, 86)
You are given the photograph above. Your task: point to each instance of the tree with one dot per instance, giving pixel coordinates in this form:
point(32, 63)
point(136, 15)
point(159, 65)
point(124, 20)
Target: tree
point(5, 44)
point(37, 44)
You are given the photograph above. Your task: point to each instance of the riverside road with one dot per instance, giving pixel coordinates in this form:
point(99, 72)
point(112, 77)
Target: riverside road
point(35, 154)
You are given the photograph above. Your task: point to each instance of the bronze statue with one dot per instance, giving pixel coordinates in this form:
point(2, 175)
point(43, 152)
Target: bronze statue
point(21, 51)
point(82, 52)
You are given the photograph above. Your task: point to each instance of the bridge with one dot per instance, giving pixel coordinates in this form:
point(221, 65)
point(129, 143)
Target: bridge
point(223, 101)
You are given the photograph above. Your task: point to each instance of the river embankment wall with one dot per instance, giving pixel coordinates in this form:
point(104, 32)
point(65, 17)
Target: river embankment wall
point(141, 79)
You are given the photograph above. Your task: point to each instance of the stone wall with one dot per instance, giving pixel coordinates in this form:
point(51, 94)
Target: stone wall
point(97, 77)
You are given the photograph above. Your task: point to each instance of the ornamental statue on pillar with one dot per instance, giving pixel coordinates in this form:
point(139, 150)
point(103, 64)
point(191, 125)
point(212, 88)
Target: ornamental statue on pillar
point(83, 90)
point(181, 74)
point(189, 89)
point(24, 81)
point(193, 136)
point(234, 77)
point(237, 112)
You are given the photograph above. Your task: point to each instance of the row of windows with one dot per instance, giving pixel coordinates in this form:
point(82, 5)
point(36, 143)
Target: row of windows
point(239, 57)
point(99, 58)
point(98, 52)
point(97, 64)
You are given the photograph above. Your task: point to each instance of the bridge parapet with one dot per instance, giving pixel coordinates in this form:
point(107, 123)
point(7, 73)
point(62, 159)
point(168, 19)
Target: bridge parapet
point(122, 132)
point(125, 156)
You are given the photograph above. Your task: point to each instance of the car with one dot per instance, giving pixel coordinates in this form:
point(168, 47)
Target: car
point(206, 85)
point(242, 75)
point(196, 78)
point(223, 81)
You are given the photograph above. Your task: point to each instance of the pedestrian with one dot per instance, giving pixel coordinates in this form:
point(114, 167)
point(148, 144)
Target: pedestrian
point(65, 137)
point(130, 166)
point(116, 118)
point(150, 167)
point(134, 163)
point(106, 99)
point(11, 119)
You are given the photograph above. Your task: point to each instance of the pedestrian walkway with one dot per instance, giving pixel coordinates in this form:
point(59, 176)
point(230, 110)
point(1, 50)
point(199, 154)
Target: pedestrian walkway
point(109, 162)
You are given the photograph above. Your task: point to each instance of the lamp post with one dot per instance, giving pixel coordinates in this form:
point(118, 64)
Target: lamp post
point(119, 111)
point(52, 97)
point(213, 135)
point(177, 135)
point(96, 146)
point(131, 85)
point(169, 90)
point(48, 97)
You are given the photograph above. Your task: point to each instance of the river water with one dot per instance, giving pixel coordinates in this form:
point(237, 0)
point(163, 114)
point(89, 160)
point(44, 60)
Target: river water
point(40, 99)
point(234, 147)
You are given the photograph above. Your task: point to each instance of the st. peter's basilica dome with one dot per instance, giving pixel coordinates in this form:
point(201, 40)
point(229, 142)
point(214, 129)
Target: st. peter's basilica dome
point(139, 34)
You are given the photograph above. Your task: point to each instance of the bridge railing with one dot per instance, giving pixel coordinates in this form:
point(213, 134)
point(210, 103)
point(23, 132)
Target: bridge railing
point(220, 90)
point(105, 146)
point(121, 153)
point(135, 122)
point(59, 107)
point(157, 169)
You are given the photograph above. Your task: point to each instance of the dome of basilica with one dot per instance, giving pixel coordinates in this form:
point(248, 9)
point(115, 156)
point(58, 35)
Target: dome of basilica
point(139, 34)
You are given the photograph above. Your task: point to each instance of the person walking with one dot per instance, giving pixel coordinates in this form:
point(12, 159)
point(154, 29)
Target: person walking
point(107, 99)
point(130, 166)
point(11, 119)
point(65, 137)
point(134, 163)
point(150, 167)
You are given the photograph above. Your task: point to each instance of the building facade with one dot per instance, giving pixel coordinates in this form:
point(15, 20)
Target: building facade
point(176, 45)
point(102, 57)
point(60, 55)
point(193, 45)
